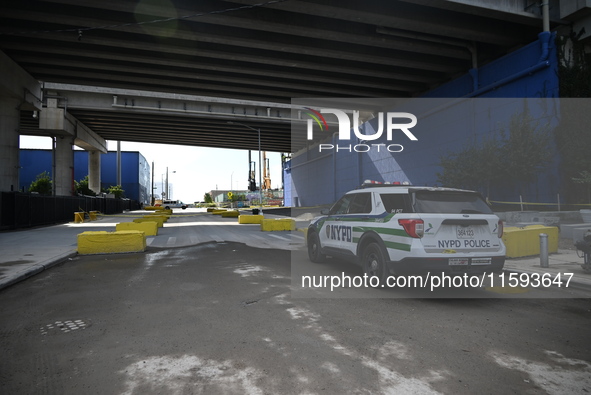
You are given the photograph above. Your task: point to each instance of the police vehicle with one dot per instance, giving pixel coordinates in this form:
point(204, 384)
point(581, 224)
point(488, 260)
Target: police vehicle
point(395, 229)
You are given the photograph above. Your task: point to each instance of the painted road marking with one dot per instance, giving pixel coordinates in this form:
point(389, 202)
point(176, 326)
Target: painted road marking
point(279, 237)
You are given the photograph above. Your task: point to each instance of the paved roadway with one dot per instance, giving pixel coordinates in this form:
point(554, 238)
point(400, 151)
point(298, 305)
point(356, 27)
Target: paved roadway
point(30, 251)
point(223, 317)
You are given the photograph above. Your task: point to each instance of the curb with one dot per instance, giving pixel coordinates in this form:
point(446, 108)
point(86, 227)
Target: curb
point(37, 268)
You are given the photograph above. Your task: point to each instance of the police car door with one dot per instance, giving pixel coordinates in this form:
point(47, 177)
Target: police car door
point(330, 234)
point(358, 215)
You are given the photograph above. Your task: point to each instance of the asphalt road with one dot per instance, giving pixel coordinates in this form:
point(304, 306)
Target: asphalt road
point(221, 318)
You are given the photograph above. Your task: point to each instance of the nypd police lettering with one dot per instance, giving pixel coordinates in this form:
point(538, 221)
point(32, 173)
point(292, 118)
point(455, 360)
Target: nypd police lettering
point(472, 243)
point(339, 232)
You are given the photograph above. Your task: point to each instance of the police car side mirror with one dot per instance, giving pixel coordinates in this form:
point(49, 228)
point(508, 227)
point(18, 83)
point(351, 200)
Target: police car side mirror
point(324, 211)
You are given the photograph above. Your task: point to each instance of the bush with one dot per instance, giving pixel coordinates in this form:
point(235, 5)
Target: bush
point(42, 184)
point(117, 191)
point(82, 187)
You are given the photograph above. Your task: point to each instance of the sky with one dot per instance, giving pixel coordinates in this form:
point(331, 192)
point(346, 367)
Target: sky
point(192, 171)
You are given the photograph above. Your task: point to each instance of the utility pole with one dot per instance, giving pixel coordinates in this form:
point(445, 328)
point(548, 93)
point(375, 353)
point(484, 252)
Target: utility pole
point(152, 192)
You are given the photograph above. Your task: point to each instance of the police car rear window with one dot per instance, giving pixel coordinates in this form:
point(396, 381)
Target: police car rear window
point(396, 202)
point(450, 203)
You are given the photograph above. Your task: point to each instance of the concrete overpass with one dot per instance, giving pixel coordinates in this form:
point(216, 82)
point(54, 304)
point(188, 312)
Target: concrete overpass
point(177, 72)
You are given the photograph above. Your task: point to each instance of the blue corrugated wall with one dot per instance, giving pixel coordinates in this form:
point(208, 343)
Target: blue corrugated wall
point(313, 178)
point(135, 172)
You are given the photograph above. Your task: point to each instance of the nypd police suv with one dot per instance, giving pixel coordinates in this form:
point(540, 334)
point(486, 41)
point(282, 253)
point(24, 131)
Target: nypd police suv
point(394, 229)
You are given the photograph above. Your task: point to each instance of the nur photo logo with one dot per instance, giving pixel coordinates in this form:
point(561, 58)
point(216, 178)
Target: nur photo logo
point(388, 123)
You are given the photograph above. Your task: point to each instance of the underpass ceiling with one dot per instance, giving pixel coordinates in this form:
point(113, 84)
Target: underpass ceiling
point(251, 50)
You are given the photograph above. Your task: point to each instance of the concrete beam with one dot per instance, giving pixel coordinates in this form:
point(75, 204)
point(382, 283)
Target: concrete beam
point(94, 171)
point(9, 148)
point(16, 83)
point(57, 121)
point(63, 175)
point(84, 97)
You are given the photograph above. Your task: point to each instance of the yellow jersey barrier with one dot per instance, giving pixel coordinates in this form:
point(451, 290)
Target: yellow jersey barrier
point(102, 242)
point(525, 241)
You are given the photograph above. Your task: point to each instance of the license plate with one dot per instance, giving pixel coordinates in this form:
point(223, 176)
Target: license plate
point(481, 261)
point(465, 232)
point(458, 261)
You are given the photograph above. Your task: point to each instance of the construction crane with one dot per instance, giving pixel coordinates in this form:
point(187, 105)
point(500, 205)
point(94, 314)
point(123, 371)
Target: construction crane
point(266, 173)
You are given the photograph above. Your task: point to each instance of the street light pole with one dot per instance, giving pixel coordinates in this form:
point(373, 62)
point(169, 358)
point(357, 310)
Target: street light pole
point(260, 164)
point(231, 190)
point(167, 198)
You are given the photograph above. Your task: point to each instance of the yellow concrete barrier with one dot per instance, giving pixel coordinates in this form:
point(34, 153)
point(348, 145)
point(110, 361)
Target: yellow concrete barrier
point(277, 224)
point(78, 217)
point(151, 207)
point(102, 242)
point(219, 211)
point(164, 211)
point(159, 220)
point(231, 214)
point(93, 215)
point(150, 228)
point(250, 219)
point(305, 232)
point(154, 215)
point(525, 241)
point(212, 209)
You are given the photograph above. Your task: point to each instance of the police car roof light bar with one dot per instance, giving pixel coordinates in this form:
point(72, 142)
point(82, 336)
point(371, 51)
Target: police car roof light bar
point(371, 183)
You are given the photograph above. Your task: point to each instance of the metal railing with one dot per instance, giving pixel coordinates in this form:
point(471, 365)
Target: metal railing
point(25, 210)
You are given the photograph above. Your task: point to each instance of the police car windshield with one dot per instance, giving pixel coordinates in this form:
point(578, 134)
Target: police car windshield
point(450, 203)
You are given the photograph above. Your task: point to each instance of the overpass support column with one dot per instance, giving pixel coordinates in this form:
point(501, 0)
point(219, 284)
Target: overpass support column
point(94, 171)
point(63, 178)
point(9, 144)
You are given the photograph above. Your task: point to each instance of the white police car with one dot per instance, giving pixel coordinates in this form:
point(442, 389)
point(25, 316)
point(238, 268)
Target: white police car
point(401, 229)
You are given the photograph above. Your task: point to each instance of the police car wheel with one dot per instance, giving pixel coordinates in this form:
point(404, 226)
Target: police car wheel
point(314, 249)
point(374, 263)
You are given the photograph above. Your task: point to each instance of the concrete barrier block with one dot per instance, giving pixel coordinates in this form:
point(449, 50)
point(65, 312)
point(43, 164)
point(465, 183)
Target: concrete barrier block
point(93, 215)
point(212, 209)
point(579, 233)
point(164, 217)
point(278, 224)
point(150, 228)
point(102, 242)
point(231, 214)
point(250, 219)
point(219, 211)
point(78, 217)
point(158, 220)
point(305, 232)
point(525, 241)
point(567, 231)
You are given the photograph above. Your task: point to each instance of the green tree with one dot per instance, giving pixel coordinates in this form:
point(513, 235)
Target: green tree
point(584, 178)
point(42, 184)
point(475, 167)
point(238, 197)
point(117, 191)
point(516, 157)
point(526, 149)
point(207, 198)
point(82, 187)
point(572, 135)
